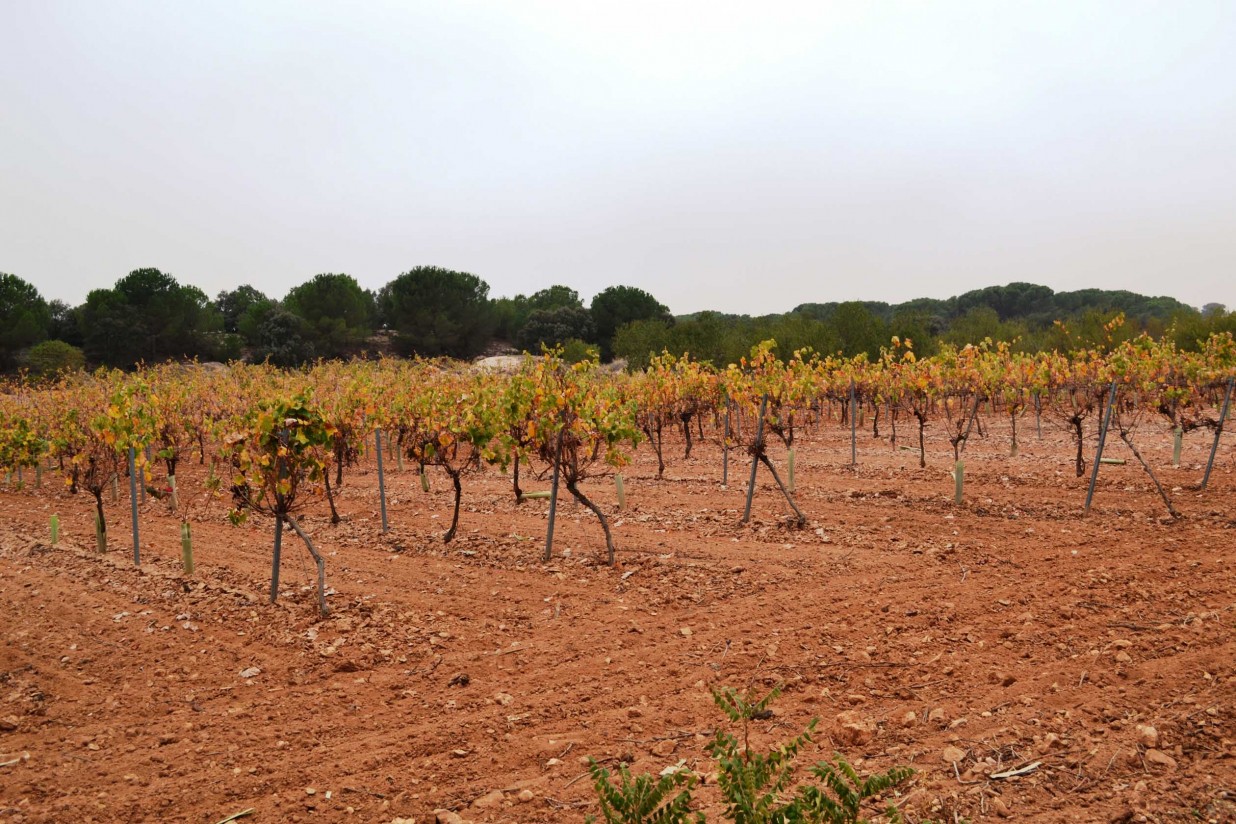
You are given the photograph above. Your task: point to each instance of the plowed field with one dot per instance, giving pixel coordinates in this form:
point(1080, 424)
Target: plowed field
point(965, 641)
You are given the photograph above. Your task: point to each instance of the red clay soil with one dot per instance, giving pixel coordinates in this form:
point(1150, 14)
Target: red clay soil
point(964, 641)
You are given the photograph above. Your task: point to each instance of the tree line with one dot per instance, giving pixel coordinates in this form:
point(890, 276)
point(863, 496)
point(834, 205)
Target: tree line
point(1033, 318)
point(149, 317)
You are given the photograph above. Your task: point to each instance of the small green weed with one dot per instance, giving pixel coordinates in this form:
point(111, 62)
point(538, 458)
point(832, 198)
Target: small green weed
point(758, 787)
point(642, 800)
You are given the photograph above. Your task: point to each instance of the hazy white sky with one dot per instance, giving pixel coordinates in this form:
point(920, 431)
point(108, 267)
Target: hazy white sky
point(744, 157)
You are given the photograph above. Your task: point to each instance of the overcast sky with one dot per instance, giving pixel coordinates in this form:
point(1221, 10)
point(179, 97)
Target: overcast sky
point(744, 157)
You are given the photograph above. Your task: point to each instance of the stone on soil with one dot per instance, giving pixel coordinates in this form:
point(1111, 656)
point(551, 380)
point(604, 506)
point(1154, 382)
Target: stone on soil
point(854, 729)
point(489, 799)
point(664, 748)
point(1160, 759)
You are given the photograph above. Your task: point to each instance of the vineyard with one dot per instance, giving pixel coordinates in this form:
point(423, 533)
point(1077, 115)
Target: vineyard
point(371, 590)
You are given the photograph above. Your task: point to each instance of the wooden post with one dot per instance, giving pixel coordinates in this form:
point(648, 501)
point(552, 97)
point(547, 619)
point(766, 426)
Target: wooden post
point(621, 490)
point(137, 551)
point(853, 425)
point(1098, 457)
point(274, 568)
point(377, 447)
point(755, 459)
point(1218, 432)
point(1177, 443)
point(553, 501)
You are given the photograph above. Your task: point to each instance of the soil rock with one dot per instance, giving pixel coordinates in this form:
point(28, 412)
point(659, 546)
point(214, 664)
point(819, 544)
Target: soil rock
point(664, 749)
point(1160, 759)
point(494, 798)
point(853, 729)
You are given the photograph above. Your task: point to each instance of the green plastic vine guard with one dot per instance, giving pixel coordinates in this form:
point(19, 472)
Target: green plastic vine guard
point(186, 548)
point(100, 533)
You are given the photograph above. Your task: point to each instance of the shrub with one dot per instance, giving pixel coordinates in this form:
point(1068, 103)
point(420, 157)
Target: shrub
point(51, 357)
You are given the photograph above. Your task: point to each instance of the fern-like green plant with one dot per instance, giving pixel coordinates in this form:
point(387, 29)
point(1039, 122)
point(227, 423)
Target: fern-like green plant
point(643, 800)
point(755, 785)
point(849, 791)
point(758, 787)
